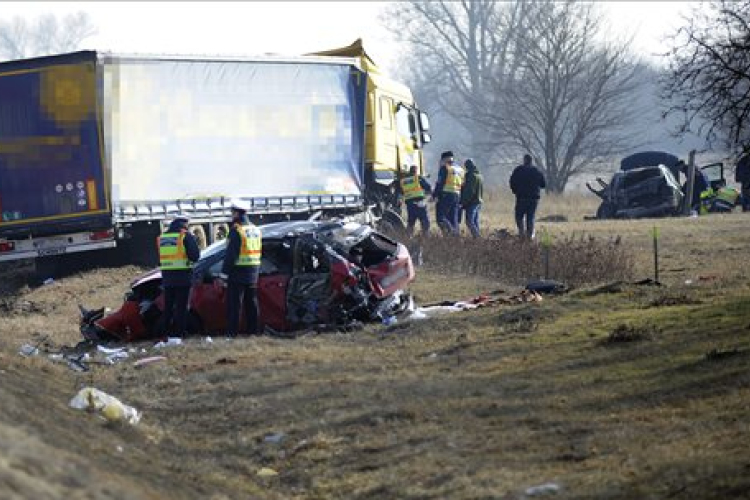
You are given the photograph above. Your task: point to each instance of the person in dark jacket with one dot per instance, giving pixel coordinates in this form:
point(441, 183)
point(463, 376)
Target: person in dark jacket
point(240, 271)
point(742, 176)
point(526, 182)
point(178, 250)
point(471, 196)
point(447, 192)
point(414, 188)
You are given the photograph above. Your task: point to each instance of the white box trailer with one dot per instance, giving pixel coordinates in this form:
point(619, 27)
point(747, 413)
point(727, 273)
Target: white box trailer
point(99, 150)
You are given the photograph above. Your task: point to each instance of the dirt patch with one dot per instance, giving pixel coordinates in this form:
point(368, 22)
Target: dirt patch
point(630, 333)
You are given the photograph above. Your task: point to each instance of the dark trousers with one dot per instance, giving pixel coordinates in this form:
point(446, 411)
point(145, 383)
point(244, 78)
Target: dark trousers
point(472, 218)
point(235, 293)
point(447, 210)
point(745, 196)
point(175, 310)
point(414, 213)
point(526, 209)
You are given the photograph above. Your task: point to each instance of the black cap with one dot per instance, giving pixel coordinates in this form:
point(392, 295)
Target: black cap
point(446, 154)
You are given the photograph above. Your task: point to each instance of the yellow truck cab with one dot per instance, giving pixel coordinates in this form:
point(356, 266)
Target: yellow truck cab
point(395, 132)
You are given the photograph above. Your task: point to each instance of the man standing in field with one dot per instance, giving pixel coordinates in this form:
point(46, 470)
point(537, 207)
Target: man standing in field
point(240, 270)
point(447, 191)
point(178, 251)
point(471, 196)
point(526, 182)
point(742, 176)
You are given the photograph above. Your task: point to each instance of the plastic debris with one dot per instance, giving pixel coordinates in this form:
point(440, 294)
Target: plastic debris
point(208, 340)
point(28, 350)
point(109, 407)
point(389, 320)
point(543, 489)
point(48, 281)
point(171, 341)
point(267, 472)
point(149, 360)
point(275, 438)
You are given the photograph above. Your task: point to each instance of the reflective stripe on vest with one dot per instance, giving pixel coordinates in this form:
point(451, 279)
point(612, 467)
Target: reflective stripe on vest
point(172, 253)
point(454, 179)
point(251, 247)
point(411, 188)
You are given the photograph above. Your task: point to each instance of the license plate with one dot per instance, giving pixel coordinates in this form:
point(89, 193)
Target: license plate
point(51, 251)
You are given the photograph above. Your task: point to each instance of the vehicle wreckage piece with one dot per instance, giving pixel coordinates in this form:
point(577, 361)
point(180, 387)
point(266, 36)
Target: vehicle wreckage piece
point(638, 192)
point(311, 273)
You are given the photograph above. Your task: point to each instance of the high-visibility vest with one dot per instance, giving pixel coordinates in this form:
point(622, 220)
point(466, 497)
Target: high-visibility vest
point(251, 247)
point(172, 253)
point(411, 188)
point(454, 179)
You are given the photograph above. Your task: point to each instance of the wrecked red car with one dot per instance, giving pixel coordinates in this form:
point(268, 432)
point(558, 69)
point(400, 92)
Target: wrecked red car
point(311, 273)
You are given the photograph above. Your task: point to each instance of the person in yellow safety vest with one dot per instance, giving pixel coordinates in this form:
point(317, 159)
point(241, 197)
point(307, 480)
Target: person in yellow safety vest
point(447, 193)
point(723, 199)
point(240, 271)
point(414, 188)
point(178, 250)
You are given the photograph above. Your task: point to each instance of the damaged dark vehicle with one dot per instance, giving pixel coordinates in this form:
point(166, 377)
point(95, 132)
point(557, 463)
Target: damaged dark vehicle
point(312, 273)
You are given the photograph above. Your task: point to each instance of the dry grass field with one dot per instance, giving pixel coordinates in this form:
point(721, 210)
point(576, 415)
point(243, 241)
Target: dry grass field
point(612, 390)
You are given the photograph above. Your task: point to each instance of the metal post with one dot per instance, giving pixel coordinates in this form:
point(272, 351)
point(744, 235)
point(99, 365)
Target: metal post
point(687, 206)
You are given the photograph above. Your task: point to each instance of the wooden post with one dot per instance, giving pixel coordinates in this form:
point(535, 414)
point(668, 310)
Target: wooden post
point(687, 206)
point(656, 255)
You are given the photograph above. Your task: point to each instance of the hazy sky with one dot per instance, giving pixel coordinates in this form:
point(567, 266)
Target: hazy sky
point(289, 28)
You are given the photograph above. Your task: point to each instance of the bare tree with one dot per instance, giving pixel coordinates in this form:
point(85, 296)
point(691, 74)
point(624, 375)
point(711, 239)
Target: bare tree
point(571, 103)
point(526, 76)
point(46, 35)
point(454, 51)
point(708, 82)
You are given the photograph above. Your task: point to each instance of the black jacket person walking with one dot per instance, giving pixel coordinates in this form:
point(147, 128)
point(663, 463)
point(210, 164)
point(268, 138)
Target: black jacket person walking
point(526, 182)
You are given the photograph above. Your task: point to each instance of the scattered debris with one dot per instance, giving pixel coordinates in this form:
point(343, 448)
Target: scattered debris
point(543, 489)
point(111, 408)
point(226, 361)
point(718, 354)
point(275, 438)
point(149, 360)
point(267, 472)
point(626, 333)
point(171, 341)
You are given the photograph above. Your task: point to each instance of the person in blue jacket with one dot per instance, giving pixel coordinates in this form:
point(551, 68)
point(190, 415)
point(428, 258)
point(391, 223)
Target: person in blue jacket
point(240, 271)
point(178, 251)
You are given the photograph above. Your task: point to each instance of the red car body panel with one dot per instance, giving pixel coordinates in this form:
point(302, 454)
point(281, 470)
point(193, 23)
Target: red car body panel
point(392, 272)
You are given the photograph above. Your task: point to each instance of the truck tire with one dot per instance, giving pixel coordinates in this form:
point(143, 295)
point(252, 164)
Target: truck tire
point(392, 224)
point(200, 235)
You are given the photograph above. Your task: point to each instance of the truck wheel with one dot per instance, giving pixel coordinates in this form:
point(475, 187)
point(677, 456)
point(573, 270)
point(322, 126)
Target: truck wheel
point(392, 224)
point(200, 235)
point(220, 232)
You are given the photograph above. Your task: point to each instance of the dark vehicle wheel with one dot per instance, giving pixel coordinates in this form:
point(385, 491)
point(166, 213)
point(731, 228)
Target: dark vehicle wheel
point(392, 224)
point(605, 211)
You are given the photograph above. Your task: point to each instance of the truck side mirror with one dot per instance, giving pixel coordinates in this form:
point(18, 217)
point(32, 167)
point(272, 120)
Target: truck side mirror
point(424, 122)
point(426, 138)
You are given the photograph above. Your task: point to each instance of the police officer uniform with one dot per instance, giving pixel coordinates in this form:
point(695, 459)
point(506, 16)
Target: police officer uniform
point(240, 269)
point(414, 188)
point(178, 250)
point(447, 192)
